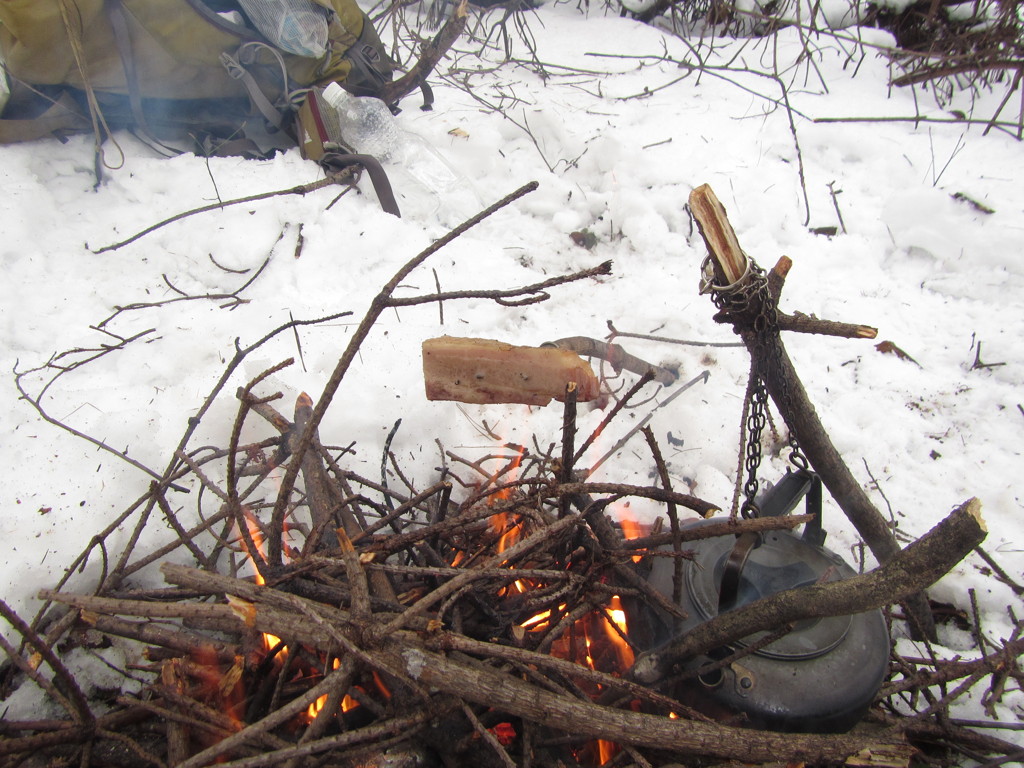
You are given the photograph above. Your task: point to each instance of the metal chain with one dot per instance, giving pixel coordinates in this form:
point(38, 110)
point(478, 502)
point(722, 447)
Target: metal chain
point(749, 298)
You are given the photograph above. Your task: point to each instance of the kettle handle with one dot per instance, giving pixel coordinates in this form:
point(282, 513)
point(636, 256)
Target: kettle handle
point(779, 501)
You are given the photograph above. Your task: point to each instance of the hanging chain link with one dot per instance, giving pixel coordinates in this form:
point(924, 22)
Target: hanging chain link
point(749, 301)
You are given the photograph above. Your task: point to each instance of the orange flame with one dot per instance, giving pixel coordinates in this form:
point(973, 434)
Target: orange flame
point(606, 750)
point(631, 527)
point(616, 630)
point(598, 641)
point(509, 528)
point(256, 533)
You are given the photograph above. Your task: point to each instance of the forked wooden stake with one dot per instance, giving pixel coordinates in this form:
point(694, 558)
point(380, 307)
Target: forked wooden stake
point(791, 399)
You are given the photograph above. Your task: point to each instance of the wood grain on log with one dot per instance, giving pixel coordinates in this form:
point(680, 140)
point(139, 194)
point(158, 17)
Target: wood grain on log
point(729, 259)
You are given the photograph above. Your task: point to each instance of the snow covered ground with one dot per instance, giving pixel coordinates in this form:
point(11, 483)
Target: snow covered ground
point(617, 129)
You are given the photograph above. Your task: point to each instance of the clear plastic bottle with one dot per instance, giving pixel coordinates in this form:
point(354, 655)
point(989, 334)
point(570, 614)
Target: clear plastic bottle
point(368, 126)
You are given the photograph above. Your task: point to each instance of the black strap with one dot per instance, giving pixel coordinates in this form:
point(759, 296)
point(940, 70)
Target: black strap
point(337, 161)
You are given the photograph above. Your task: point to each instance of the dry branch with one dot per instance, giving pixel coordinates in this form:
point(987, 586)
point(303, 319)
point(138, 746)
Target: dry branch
point(430, 56)
point(484, 685)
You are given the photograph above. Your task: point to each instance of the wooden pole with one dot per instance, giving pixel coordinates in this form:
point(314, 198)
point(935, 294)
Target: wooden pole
point(791, 399)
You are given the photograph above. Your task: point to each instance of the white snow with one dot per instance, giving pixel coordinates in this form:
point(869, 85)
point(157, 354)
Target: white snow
point(617, 133)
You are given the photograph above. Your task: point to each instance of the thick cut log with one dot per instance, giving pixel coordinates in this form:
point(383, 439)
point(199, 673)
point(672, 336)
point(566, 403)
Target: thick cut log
point(486, 371)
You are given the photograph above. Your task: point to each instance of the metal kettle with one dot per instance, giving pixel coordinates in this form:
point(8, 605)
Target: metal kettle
point(820, 677)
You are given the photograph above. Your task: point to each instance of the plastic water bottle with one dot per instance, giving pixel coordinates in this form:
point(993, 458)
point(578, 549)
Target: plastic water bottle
point(368, 126)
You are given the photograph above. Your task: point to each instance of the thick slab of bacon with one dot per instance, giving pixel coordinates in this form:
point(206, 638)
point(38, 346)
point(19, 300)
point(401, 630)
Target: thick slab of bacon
point(487, 371)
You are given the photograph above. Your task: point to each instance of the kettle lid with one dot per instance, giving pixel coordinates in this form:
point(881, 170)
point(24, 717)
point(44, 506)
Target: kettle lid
point(782, 561)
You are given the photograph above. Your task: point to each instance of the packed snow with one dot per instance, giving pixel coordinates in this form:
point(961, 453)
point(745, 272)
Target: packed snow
point(617, 127)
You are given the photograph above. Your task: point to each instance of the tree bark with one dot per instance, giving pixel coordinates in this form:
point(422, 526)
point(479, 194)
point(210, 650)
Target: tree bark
point(481, 684)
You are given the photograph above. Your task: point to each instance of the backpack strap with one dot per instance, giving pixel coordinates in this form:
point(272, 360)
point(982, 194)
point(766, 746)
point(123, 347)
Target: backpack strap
point(63, 117)
point(319, 140)
point(334, 162)
point(123, 41)
point(259, 99)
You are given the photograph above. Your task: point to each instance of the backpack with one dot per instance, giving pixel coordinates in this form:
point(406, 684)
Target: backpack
point(195, 70)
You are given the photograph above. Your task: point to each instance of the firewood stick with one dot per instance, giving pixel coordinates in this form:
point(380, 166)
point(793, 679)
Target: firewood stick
point(368, 734)
point(777, 277)
point(451, 641)
point(66, 732)
point(307, 624)
point(614, 355)
point(175, 610)
point(323, 498)
point(727, 527)
point(910, 571)
point(318, 496)
point(568, 444)
point(357, 577)
point(801, 323)
point(175, 639)
point(482, 684)
point(215, 583)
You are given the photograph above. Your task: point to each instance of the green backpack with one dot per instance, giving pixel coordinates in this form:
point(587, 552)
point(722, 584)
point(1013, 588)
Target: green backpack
point(169, 69)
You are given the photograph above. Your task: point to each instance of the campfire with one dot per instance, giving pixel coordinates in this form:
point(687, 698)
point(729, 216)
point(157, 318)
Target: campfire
point(501, 616)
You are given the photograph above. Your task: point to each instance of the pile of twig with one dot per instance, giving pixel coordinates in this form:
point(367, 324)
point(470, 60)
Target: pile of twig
point(435, 626)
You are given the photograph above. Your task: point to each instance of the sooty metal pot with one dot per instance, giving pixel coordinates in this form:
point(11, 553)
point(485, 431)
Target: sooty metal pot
point(822, 676)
